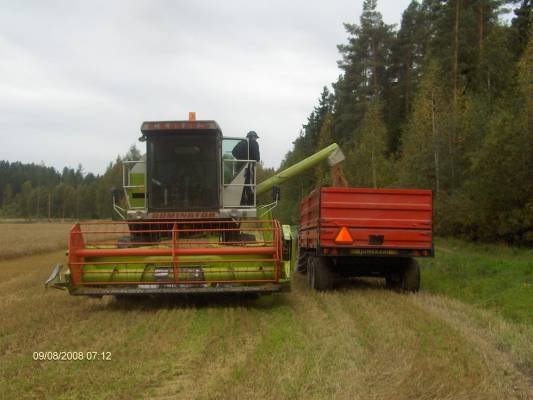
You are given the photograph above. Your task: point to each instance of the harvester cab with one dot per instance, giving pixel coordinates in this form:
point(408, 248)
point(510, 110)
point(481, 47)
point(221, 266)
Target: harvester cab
point(184, 225)
point(188, 171)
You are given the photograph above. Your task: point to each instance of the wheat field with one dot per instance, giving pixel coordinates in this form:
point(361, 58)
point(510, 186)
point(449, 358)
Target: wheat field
point(23, 239)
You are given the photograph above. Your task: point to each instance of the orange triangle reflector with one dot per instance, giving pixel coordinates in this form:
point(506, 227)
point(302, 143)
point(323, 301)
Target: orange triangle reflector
point(344, 237)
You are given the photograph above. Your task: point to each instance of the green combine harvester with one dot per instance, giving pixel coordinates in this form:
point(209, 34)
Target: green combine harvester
point(186, 226)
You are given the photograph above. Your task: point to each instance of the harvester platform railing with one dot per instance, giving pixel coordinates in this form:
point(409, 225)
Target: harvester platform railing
point(127, 184)
point(236, 167)
point(175, 254)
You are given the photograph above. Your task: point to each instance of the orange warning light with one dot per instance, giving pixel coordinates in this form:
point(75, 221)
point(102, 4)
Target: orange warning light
point(192, 116)
point(344, 237)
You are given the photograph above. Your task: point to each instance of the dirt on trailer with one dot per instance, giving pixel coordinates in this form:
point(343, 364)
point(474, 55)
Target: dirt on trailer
point(357, 342)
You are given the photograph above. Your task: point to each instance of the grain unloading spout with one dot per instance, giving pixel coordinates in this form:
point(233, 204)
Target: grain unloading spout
point(332, 153)
point(336, 156)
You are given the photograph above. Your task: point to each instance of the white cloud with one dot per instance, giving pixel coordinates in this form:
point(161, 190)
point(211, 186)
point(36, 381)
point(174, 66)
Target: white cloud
point(77, 78)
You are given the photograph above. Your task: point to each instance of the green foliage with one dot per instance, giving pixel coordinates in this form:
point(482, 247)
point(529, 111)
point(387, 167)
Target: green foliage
point(498, 194)
point(405, 70)
point(424, 138)
point(365, 60)
point(444, 103)
point(521, 26)
point(490, 276)
point(322, 173)
point(35, 191)
point(367, 160)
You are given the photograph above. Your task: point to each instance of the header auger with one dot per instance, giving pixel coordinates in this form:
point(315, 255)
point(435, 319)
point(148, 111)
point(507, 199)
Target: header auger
point(185, 225)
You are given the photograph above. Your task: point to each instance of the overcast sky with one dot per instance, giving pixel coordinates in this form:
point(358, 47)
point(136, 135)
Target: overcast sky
point(77, 78)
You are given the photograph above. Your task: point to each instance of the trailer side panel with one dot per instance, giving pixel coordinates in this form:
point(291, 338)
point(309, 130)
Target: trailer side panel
point(375, 219)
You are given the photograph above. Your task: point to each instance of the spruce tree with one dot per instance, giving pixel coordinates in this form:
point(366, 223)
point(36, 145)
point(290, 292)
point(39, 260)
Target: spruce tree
point(424, 138)
point(407, 55)
point(323, 177)
point(521, 27)
point(368, 165)
point(365, 60)
point(502, 170)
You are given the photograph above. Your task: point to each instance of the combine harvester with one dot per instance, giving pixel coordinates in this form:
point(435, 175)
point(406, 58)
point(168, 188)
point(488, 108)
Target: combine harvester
point(185, 227)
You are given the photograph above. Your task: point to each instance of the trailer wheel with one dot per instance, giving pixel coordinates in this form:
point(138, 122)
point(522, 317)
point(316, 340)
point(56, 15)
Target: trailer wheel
point(392, 281)
point(322, 276)
point(411, 276)
point(406, 278)
point(310, 270)
point(301, 263)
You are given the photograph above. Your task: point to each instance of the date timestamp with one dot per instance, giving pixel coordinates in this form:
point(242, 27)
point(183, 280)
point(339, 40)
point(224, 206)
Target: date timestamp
point(71, 356)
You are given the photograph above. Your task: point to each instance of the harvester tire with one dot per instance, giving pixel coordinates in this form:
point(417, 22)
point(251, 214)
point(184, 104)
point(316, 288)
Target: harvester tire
point(406, 278)
point(322, 276)
point(124, 242)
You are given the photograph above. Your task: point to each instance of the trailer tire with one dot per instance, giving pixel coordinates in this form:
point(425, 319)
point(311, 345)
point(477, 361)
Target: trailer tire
point(411, 276)
point(310, 271)
point(392, 281)
point(322, 276)
point(406, 278)
point(302, 259)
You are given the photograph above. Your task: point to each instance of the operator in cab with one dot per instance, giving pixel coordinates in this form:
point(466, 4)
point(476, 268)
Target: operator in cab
point(248, 150)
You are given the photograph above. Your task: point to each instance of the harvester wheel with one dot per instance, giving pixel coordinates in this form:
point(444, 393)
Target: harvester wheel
point(407, 278)
point(322, 276)
point(124, 242)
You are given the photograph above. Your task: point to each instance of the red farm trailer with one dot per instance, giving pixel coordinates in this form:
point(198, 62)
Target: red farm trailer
point(346, 232)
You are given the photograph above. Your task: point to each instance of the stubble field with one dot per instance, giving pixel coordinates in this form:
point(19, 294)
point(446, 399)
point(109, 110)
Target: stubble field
point(357, 342)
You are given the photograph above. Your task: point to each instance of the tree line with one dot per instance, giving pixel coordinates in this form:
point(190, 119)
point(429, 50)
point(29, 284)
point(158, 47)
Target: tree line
point(36, 191)
point(33, 191)
point(443, 102)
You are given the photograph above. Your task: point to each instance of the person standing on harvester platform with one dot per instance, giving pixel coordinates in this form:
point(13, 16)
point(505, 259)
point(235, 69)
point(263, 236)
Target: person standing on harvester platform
point(248, 150)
